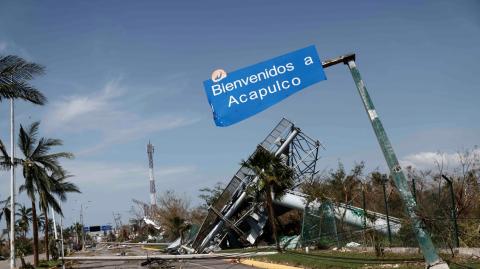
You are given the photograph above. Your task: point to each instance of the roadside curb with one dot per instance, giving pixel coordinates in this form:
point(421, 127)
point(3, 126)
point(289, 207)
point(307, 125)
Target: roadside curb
point(153, 249)
point(266, 265)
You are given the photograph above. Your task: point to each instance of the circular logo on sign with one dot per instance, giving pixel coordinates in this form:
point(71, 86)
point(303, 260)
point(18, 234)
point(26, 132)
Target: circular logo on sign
point(218, 75)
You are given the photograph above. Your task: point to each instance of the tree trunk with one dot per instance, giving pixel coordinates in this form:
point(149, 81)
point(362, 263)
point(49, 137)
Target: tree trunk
point(46, 237)
point(35, 234)
point(271, 216)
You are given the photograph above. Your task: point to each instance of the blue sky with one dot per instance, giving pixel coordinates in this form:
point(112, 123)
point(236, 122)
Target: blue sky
point(120, 73)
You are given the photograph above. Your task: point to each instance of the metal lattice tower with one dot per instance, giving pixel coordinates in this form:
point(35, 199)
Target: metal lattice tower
point(153, 196)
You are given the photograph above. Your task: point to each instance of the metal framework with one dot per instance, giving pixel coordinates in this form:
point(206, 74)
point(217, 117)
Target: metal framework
point(232, 212)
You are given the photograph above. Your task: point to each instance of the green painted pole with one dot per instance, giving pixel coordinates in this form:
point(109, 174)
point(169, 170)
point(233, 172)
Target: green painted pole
point(425, 242)
point(305, 212)
point(364, 206)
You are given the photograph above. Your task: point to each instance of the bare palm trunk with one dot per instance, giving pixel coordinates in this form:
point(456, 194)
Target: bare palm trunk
point(46, 237)
point(271, 216)
point(35, 234)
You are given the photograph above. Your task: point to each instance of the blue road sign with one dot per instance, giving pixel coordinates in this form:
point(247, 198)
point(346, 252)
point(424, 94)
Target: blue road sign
point(238, 95)
point(86, 229)
point(106, 228)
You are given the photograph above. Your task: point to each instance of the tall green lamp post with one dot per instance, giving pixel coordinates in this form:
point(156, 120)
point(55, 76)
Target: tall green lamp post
point(432, 259)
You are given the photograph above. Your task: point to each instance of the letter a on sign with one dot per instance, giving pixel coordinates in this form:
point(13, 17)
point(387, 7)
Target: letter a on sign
point(243, 93)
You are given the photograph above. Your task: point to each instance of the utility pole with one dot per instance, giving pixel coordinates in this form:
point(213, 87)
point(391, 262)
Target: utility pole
point(153, 197)
point(432, 259)
point(83, 227)
point(83, 224)
point(61, 240)
point(453, 210)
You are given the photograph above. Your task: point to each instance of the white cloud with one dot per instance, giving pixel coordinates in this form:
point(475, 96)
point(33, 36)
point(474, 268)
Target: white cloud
point(123, 175)
point(13, 48)
point(111, 186)
point(3, 46)
point(432, 160)
point(106, 112)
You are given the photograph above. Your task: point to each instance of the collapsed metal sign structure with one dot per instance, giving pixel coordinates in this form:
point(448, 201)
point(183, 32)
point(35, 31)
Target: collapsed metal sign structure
point(234, 219)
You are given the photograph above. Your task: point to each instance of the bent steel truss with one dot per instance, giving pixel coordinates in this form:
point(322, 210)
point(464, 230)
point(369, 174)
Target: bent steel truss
point(230, 210)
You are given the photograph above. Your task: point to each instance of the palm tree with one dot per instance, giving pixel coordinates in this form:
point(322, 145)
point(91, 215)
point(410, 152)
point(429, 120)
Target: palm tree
point(25, 217)
point(58, 186)
point(15, 73)
point(274, 178)
point(5, 212)
point(77, 229)
point(41, 222)
point(37, 163)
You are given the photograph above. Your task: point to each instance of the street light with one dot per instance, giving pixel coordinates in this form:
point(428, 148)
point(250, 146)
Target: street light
point(453, 210)
point(83, 224)
point(12, 185)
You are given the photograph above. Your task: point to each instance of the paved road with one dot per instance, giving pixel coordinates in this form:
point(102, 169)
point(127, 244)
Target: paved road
point(6, 263)
point(133, 251)
point(202, 264)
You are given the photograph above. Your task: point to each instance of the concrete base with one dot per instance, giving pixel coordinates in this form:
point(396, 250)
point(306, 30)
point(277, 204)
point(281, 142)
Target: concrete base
point(464, 252)
point(442, 265)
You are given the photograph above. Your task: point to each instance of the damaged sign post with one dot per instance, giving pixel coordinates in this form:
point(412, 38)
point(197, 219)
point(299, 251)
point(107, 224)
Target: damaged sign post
point(231, 102)
point(432, 259)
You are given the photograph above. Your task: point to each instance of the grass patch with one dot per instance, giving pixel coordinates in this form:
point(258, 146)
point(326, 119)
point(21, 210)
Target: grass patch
point(157, 247)
point(246, 250)
point(329, 259)
point(48, 264)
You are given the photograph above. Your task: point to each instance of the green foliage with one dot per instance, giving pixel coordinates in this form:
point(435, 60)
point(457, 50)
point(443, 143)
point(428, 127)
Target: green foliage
point(15, 72)
point(24, 215)
point(24, 246)
point(210, 195)
point(54, 251)
point(406, 235)
point(173, 214)
point(49, 264)
point(271, 172)
point(432, 195)
point(273, 177)
point(336, 185)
